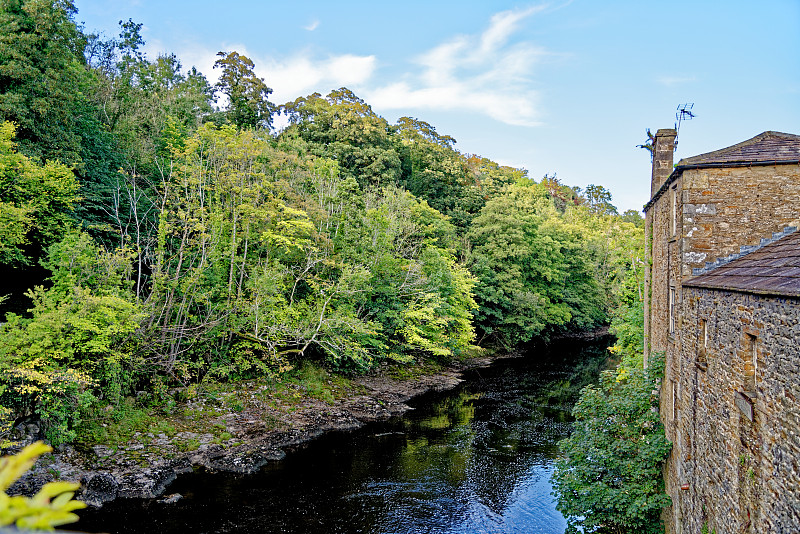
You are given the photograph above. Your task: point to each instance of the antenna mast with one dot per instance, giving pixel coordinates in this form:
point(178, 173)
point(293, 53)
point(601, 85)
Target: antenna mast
point(684, 113)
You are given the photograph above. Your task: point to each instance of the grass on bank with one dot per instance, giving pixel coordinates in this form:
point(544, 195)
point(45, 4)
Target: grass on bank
point(198, 408)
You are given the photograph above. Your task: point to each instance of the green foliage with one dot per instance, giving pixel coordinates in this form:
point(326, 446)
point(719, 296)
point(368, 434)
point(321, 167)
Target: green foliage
point(609, 476)
point(247, 94)
point(52, 506)
point(188, 445)
point(210, 251)
point(455, 185)
point(317, 382)
point(138, 105)
point(343, 127)
point(627, 319)
point(535, 271)
point(50, 92)
point(36, 201)
point(116, 424)
point(649, 144)
point(633, 217)
point(598, 199)
point(563, 196)
point(40, 68)
point(77, 340)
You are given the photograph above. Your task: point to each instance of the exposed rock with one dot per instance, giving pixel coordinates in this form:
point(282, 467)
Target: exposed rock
point(171, 498)
point(26, 432)
point(146, 483)
point(98, 488)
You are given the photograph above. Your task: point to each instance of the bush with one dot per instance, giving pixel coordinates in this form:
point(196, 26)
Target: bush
point(77, 345)
point(608, 479)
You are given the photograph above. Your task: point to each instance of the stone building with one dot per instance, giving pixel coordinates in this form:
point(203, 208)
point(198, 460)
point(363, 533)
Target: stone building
point(723, 303)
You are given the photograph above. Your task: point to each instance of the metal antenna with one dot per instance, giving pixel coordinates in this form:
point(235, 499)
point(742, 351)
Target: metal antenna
point(684, 113)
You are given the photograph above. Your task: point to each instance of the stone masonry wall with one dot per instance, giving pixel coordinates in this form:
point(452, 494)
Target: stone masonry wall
point(724, 209)
point(732, 474)
point(705, 214)
point(664, 248)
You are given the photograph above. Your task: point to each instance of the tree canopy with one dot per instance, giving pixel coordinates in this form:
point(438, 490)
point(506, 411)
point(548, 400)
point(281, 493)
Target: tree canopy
point(247, 94)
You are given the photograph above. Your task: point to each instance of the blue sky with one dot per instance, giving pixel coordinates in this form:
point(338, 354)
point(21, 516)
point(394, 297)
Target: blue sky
point(561, 87)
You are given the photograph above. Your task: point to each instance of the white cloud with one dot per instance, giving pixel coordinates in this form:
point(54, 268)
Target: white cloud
point(293, 76)
point(302, 74)
point(478, 73)
point(311, 27)
point(502, 26)
point(488, 73)
point(670, 81)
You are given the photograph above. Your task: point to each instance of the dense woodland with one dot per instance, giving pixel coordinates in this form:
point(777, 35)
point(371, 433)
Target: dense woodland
point(165, 234)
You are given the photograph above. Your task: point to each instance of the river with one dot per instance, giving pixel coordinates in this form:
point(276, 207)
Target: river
point(477, 459)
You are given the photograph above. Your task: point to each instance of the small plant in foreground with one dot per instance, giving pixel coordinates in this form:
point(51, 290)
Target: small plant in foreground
point(50, 507)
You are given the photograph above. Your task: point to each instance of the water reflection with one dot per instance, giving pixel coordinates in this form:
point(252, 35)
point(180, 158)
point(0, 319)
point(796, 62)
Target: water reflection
point(476, 460)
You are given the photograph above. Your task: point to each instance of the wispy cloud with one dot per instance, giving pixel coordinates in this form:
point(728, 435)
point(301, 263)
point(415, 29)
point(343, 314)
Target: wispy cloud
point(671, 81)
point(479, 73)
point(489, 73)
point(313, 26)
point(300, 74)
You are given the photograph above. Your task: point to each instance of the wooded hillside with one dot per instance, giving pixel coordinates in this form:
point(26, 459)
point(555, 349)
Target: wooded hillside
point(164, 234)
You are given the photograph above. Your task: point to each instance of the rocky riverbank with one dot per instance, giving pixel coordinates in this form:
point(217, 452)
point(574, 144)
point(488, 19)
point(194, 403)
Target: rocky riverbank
point(261, 429)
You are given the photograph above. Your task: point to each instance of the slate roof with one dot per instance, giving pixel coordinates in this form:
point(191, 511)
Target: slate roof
point(771, 269)
point(765, 147)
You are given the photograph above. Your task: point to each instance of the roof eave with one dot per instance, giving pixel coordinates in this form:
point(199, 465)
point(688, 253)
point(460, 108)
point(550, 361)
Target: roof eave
point(761, 292)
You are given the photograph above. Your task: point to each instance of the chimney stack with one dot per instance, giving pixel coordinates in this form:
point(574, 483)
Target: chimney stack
point(663, 149)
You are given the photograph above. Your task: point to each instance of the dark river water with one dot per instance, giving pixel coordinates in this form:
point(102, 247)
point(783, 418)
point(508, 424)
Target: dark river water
point(475, 460)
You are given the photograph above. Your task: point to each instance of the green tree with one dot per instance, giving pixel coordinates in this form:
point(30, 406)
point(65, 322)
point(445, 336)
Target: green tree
point(535, 274)
point(142, 105)
point(598, 198)
point(343, 127)
point(76, 345)
point(562, 195)
point(36, 202)
point(633, 217)
point(41, 73)
point(616, 249)
point(431, 168)
point(248, 104)
point(458, 186)
point(608, 479)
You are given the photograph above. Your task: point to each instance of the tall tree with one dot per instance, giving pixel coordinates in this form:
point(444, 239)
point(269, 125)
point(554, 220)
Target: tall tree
point(142, 105)
point(248, 104)
point(432, 169)
point(598, 198)
point(42, 77)
point(35, 203)
point(535, 272)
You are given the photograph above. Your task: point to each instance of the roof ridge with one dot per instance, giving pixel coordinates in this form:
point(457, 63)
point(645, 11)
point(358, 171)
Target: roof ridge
point(706, 156)
point(744, 250)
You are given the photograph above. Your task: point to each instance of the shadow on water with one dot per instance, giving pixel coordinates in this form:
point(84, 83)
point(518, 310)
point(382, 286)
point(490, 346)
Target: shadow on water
point(474, 460)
